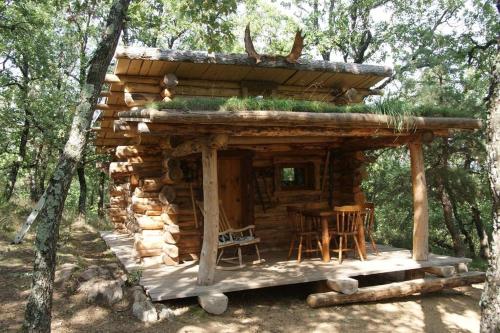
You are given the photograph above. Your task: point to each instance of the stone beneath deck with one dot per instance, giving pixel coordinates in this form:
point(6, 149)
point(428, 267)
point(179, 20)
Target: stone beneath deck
point(213, 303)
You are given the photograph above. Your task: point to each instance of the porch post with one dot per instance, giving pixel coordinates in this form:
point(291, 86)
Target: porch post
point(420, 203)
point(208, 255)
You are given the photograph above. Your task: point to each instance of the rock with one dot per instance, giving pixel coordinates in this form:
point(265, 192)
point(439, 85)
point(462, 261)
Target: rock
point(99, 290)
point(96, 271)
point(90, 273)
point(145, 311)
point(64, 273)
point(164, 312)
point(138, 294)
point(214, 303)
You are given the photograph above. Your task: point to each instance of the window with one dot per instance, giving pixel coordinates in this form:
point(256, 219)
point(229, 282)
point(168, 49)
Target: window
point(297, 176)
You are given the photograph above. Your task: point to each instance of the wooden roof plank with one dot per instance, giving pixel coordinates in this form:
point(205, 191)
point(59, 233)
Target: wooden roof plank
point(200, 57)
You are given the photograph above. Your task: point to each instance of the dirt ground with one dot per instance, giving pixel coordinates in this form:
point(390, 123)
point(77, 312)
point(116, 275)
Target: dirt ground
point(280, 309)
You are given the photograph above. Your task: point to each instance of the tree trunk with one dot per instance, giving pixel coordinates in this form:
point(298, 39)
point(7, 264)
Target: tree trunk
point(14, 169)
point(484, 246)
point(34, 176)
point(490, 299)
point(461, 226)
point(444, 199)
point(82, 199)
point(39, 307)
point(100, 204)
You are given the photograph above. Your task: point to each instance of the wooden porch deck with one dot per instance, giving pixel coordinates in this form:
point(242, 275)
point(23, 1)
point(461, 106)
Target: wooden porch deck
point(170, 282)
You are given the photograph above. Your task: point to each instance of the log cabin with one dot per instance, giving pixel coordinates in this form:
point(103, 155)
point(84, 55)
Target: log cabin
point(175, 172)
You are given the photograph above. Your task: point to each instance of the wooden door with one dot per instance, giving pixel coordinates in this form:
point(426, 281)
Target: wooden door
point(235, 188)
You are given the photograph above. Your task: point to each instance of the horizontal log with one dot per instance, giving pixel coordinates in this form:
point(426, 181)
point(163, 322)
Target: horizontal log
point(134, 151)
point(139, 99)
point(148, 253)
point(112, 107)
point(264, 118)
point(196, 145)
point(122, 79)
point(140, 193)
point(200, 57)
point(396, 289)
point(146, 233)
point(149, 243)
point(142, 88)
point(275, 132)
point(152, 213)
point(146, 201)
point(443, 271)
point(145, 222)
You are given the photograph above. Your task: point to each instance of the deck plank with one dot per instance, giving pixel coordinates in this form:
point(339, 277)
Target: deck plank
point(170, 282)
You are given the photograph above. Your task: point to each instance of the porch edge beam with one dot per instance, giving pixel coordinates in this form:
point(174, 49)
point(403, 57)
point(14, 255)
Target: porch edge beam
point(420, 203)
point(208, 257)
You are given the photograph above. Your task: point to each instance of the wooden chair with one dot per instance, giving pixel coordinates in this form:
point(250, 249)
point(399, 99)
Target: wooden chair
point(347, 220)
point(230, 238)
point(369, 220)
point(303, 231)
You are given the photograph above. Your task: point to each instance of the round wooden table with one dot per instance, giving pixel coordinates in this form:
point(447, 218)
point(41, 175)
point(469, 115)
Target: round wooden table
point(323, 215)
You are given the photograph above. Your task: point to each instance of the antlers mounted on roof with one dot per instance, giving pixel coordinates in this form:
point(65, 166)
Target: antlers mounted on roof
point(292, 57)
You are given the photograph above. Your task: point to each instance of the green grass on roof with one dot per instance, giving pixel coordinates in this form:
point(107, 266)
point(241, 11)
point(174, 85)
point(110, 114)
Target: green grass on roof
point(390, 107)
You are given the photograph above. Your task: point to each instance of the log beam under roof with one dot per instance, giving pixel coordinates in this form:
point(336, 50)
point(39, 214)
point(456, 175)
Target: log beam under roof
point(305, 119)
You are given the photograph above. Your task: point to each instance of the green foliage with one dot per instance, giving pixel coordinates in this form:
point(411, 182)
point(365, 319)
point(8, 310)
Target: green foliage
point(441, 52)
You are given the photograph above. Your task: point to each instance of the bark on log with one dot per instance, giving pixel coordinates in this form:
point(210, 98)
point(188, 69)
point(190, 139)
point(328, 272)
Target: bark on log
point(279, 118)
point(396, 289)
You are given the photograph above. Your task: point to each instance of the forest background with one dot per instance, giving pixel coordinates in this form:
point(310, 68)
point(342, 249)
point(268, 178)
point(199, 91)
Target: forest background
point(443, 53)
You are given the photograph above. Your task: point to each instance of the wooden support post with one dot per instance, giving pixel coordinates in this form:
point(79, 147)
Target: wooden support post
point(208, 255)
point(420, 203)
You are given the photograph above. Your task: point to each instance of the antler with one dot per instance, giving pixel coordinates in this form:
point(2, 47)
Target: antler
point(249, 46)
point(296, 51)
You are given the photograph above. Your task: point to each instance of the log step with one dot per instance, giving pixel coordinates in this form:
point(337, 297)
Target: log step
point(396, 289)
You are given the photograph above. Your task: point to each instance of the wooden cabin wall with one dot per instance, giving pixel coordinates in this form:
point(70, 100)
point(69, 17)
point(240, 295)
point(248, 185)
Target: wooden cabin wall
point(169, 230)
point(149, 203)
point(271, 220)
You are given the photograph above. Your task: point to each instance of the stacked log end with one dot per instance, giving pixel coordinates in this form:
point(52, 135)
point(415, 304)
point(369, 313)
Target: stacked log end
point(118, 201)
